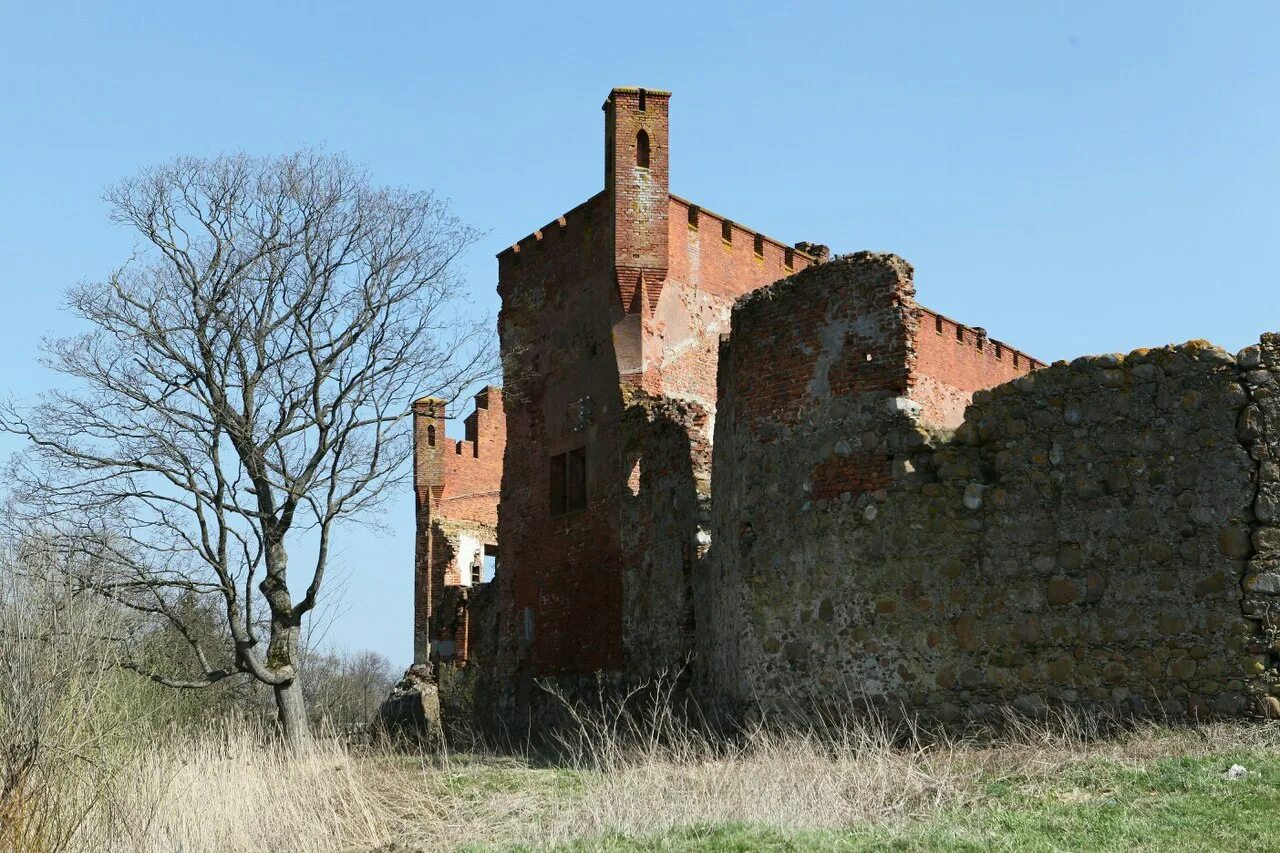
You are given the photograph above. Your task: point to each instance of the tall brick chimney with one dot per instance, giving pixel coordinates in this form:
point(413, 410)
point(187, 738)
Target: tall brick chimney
point(636, 130)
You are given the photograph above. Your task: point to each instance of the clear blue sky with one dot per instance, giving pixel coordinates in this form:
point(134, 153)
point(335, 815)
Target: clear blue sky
point(1076, 177)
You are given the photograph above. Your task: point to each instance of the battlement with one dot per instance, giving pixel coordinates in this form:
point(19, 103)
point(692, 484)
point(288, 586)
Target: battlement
point(483, 427)
point(976, 337)
point(697, 217)
point(735, 236)
point(549, 232)
point(635, 90)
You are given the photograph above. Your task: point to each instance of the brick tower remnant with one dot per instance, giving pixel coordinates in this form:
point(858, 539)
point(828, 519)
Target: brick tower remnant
point(456, 485)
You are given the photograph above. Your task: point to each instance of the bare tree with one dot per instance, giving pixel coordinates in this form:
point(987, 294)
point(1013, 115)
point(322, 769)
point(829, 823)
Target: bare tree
point(245, 384)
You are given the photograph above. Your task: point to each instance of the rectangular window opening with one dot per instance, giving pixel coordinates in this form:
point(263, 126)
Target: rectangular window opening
point(937, 323)
point(693, 217)
point(489, 568)
point(759, 246)
point(555, 474)
point(959, 333)
point(567, 473)
point(789, 258)
point(726, 231)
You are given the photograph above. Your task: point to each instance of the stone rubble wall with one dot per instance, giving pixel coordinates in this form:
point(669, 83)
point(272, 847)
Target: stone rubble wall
point(1259, 431)
point(1087, 536)
point(665, 515)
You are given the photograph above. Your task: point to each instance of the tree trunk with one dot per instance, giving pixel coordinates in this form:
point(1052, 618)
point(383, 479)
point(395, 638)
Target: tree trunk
point(292, 712)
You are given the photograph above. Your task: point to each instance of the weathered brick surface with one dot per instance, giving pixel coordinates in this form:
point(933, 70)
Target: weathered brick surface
point(953, 361)
point(456, 490)
point(615, 306)
point(799, 344)
point(638, 194)
point(706, 274)
point(560, 576)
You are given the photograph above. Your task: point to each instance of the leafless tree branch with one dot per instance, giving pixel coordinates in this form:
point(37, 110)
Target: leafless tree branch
point(245, 381)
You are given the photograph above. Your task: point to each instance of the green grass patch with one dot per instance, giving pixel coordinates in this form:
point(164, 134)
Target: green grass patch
point(1168, 805)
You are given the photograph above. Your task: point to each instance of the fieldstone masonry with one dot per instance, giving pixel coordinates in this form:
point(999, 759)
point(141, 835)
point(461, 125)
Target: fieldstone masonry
point(1098, 533)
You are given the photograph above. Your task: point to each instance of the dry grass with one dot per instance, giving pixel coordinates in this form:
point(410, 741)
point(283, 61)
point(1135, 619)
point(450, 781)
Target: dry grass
point(84, 768)
point(229, 790)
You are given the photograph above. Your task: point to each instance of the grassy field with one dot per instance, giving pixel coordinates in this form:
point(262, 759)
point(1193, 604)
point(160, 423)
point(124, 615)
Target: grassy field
point(1055, 786)
point(1064, 784)
point(1166, 804)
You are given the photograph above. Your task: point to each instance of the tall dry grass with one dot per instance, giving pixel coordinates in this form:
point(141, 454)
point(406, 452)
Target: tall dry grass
point(229, 789)
point(87, 764)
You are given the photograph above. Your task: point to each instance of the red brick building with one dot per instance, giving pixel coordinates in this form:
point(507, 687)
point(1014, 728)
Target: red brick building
point(611, 321)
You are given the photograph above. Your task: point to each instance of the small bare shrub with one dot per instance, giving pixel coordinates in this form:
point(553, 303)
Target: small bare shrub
point(64, 707)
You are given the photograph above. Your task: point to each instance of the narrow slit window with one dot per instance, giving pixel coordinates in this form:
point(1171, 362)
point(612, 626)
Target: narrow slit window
point(642, 100)
point(1015, 358)
point(959, 333)
point(999, 351)
point(431, 436)
point(642, 150)
point(726, 231)
point(789, 258)
point(759, 246)
point(576, 480)
point(693, 217)
point(937, 324)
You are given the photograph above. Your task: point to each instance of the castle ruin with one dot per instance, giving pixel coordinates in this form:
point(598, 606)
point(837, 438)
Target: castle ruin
point(776, 473)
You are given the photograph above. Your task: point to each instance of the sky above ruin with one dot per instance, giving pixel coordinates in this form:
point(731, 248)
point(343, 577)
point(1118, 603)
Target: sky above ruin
point(1074, 177)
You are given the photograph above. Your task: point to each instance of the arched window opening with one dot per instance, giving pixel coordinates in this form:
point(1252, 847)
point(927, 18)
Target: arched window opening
point(431, 436)
point(642, 150)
